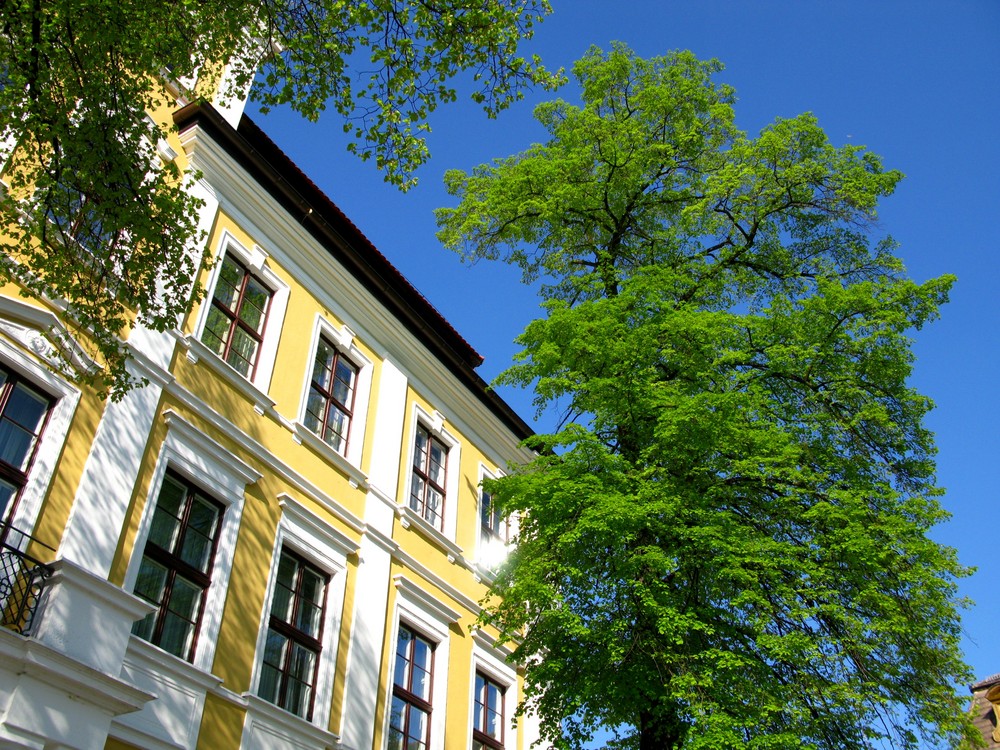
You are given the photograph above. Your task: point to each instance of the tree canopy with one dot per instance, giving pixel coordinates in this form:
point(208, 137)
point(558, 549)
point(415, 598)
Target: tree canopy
point(93, 217)
point(725, 542)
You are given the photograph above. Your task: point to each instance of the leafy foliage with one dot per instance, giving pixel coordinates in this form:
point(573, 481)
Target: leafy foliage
point(725, 545)
point(92, 217)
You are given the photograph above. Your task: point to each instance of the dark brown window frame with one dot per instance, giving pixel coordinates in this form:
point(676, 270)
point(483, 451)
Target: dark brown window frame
point(423, 472)
point(479, 733)
point(294, 635)
point(234, 316)
point(176, 566)
point(404, 692)
point(9, 472)
point(329, 400)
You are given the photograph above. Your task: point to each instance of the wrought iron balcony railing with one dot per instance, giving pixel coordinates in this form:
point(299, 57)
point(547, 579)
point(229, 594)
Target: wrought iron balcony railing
point(22, 580)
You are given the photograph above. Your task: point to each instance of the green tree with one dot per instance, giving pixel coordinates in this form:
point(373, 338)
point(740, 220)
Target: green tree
point(92, 217)
point(725, 542)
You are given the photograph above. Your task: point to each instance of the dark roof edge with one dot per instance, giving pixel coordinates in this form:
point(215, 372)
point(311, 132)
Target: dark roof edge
point(297, 194)
point(984, 683)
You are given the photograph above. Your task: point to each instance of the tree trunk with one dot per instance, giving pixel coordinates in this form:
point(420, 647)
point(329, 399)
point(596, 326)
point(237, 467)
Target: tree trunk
point(660, 732)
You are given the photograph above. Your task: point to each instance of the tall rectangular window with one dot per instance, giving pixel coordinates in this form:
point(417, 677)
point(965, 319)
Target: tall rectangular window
point(496, 529)
point(79, 220)
point(330, 405)
point(176, 568)
point(294, 636)
point(427, 488)
point(410, 716)
point(235, 326)
point(23, 413)
point(487, 719)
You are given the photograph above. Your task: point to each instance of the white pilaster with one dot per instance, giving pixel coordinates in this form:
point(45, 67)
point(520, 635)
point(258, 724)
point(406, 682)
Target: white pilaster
point(387, 447)
point(109, 476)
point(361, 693)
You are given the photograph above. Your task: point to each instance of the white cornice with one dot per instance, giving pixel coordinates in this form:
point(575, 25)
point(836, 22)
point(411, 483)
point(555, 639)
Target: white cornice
point(308, 520)
point(426, 573)
point(415, 594)
point(30, 657)
point(48, 338)
point(195, 437)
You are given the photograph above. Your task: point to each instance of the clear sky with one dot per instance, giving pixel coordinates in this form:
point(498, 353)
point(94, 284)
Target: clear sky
point(917, 82)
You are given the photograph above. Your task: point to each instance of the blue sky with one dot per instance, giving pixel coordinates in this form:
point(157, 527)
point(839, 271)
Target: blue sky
point(917, 82)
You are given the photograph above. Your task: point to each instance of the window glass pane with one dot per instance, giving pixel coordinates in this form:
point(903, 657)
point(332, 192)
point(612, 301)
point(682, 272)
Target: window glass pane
point(7, 491)
point(172, 498)
point(420, 684)
point(302, 663)
point(417, 493)
point(15, 444)
point(230, 281)
point(281, 603)
point(433, 508)
point(313, 585)
point(254, 307)
point(343, 388)
point(309, 618)
point(288, 568)
point(164, 530)
point(297, 697)
point(315, 404)
point(486, 510)
point(151, 581)
point(242, 352)
point(197, 548)
point(420, 450)
point(270, 680)
point(336, 428)
point(203, 516)
point(144, 627)
point(185, 598)
point(217, 329)
point(401, 674)
point(26, 407)
point(322, 365)
point(436, 469)
point(274, 649)
point(176, 635)
point(417, 730)
point(397, 717)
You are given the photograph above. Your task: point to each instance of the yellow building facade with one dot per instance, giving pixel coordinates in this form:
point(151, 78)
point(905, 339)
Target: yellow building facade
point(281, 541)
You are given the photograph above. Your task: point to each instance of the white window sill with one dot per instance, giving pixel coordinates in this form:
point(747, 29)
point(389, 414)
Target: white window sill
point(355, 476)
point(409, 518)
point(198, 352)
point(172, 719)
point(268, 726)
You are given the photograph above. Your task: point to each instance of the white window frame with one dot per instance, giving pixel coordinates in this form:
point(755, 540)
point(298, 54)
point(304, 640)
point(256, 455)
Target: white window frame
point(256, 262)
point(445, 536)
point(307, 535)
point(431, 618)
point(223, 477)
point(491, 660)
point(343, 340)
point(65, 399)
